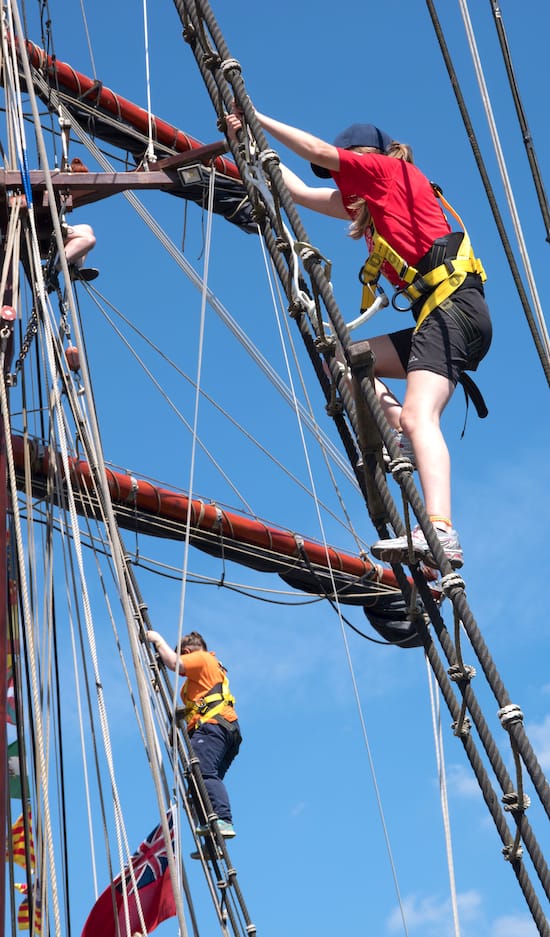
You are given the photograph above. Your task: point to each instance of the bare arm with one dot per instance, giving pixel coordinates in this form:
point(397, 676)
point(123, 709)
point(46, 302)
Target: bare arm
point(325, 200)
point(302, 143)
point(166, 654)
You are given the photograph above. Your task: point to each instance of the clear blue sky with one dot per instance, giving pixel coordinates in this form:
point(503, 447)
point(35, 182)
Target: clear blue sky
point(310, 850)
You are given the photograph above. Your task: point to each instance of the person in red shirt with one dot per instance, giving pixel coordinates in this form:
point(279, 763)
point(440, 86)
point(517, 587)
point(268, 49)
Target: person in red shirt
point(381, 190)
point(212, 722)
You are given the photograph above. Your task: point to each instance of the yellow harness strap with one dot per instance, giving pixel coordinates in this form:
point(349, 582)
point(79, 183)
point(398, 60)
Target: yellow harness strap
point(439, 283)
point(210, 705)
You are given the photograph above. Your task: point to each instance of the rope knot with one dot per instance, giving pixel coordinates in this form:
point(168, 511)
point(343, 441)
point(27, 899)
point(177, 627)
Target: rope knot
point(510, 714)
point(401, 466)
point(269, 156)
point(460, 672)
point(452, 583)
point(512, 803)
point(512, 852)
point(462, 729)
point(230, 65)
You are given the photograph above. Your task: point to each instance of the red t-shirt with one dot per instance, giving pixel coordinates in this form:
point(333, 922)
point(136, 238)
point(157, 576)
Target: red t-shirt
point(203, 672)
point(403, 205)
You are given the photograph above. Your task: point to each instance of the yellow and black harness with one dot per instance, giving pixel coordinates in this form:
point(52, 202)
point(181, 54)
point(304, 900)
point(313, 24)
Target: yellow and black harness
point(210, 706)
point(439, 274)
point(435, 285)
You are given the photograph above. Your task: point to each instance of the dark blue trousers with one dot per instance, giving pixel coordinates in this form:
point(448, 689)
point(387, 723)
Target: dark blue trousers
point(216, 747)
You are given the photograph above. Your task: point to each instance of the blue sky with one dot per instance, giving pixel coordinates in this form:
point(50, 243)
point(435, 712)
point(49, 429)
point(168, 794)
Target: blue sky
point(310, 851)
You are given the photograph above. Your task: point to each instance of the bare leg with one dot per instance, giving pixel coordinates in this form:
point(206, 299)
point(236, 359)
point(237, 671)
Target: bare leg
point(387, 364)
point(426, 397)
point(79, 240)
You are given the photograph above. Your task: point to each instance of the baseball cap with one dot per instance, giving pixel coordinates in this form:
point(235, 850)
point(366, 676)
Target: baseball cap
point(356, 135)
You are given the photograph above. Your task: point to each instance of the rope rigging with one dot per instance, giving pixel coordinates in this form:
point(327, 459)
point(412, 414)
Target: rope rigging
point(362, 429)
point(541, 341)
point(222, 77)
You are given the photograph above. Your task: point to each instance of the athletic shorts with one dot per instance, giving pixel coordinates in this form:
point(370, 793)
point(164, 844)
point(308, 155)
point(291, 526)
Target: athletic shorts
point(453, 338)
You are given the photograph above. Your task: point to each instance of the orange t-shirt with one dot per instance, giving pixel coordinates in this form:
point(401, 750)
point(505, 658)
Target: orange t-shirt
point(203, 673)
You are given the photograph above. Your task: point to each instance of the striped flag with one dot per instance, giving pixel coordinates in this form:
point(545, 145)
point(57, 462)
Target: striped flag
point(18, 840)
point(23, 914)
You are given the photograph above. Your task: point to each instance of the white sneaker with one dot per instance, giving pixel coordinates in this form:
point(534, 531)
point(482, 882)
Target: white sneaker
point(396, 549)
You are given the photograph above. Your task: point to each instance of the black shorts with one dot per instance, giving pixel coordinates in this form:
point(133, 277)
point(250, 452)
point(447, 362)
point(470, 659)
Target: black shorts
point(453, 338)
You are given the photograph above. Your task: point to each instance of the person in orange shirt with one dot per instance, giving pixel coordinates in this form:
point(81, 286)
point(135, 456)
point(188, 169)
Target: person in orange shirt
point(209, 711)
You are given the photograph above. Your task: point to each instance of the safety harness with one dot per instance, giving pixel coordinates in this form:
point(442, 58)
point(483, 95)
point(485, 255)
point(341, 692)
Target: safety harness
point(437, 279)
point(436, 284)
point(210, 706)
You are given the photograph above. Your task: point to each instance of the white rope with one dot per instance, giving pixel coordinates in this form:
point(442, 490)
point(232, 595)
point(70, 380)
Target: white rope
point(440, 758)
point(207, 252)
point(95, 458)
point(150, 149)
point(362, 720)
point(213, 301)
point(539, 315)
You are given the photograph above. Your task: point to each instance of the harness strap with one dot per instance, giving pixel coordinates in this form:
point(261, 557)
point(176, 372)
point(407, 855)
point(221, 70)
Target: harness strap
point(211, 705)
point(472, 392)
point(436, 284)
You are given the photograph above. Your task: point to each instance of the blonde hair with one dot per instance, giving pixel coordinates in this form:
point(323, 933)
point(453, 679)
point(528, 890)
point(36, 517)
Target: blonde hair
point(362, 219)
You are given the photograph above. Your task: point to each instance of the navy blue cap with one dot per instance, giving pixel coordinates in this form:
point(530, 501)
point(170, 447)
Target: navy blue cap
point(356, 135)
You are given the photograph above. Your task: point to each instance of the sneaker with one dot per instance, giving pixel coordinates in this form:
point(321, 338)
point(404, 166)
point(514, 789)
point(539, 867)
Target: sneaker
point(83, 273)
point(405, 448)
point(396, 550)
point(225, 827)
point(206, 854)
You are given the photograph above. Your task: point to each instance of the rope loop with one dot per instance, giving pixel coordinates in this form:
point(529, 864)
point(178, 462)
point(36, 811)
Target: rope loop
point(269, 156)
point(462, 729)
point(211, 60)
point(464, 672)
point(512, 803)
point(229, 65)
point(509, 715)
point(452, 583)
point(512, 852)
point(401, 466)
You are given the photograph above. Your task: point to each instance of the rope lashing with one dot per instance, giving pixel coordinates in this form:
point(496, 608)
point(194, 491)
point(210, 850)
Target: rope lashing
point(230, 65)
point(461, 728)
point(458, 673)
point(512, 803)
point(510, 714)
point(400, 466)
point(452, 583)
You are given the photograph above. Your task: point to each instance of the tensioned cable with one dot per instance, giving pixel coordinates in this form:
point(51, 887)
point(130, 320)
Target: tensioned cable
point(258, 593)
point(196, 438)
point(110, 522)
point(94, 293)
point(527, 138)
point(200, 350)
point(338, 609)
point(88, 40)
point(349, 526)
point(213, 301)
point(440, 758)
point(543, 354)
point(150, 155)
point(504, 175)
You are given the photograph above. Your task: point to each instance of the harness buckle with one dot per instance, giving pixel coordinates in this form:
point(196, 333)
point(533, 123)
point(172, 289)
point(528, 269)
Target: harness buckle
point(394, 300)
